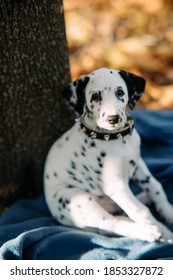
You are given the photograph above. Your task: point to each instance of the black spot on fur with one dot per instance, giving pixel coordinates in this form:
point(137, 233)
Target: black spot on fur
point(100, 165)
point(83, 154)
point(86, 168)
point(63, 204)
point(70, 172)
point(71, 186)
point(55, 174)
point(146, 180)
point(97, 171)
point(55, 194)
point(47, 177)
point(73, 165)
point(136, 168)
point(83, 149)
point(89, 113)
point(157, 193)
point(91, 185)
point(86, 141)
point(92, 144)
point(77, 180)
point(103, 154)
point(66, 139)
point(80, 181)
point(143, 181)
point(62, 217)
point(101, 196)
point(98, 178)
point(111, 72)
point(132, 162)
point(76, 154)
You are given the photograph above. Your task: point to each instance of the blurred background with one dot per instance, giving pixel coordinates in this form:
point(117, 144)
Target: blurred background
point(134, 35)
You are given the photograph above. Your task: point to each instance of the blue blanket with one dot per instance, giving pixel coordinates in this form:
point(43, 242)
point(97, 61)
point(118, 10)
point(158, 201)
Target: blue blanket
point(27, 230)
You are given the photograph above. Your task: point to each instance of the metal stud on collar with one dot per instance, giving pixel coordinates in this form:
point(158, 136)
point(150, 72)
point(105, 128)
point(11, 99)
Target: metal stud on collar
point(93, 135)
point(82, 129)
point(130, 122)
point(119, 136)
point(106, 137)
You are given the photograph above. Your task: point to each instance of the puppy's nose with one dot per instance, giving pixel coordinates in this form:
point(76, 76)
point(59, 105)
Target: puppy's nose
point(113, 119)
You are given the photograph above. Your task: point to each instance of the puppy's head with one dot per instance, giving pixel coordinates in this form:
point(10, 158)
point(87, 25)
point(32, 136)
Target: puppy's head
point(103, 96)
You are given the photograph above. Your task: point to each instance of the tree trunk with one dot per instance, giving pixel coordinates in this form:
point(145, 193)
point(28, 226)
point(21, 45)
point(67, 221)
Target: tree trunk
point(34, 69)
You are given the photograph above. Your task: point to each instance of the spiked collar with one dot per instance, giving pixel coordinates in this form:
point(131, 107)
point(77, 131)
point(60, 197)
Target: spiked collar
point(102, 135)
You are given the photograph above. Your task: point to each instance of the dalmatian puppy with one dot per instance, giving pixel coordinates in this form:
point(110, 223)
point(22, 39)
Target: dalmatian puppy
point(94, 160)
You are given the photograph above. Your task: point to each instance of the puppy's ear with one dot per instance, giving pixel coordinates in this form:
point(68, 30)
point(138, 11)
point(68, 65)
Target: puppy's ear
point(74, 93)
point(135, 86)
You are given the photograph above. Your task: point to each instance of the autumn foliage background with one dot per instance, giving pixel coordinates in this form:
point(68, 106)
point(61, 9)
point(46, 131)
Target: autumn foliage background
point(134, 35)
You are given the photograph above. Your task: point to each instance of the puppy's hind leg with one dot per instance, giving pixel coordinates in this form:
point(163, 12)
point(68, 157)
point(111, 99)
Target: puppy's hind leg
point(74, 207)
point(144, 198)
point(155, 191)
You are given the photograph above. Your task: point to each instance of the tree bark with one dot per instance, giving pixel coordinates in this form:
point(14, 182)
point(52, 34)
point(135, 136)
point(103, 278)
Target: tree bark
point(34, 69)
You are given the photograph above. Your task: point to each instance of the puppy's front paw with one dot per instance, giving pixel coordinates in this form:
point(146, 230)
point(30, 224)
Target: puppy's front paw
point(155, 233)
point(151, 233)
point(166, 234)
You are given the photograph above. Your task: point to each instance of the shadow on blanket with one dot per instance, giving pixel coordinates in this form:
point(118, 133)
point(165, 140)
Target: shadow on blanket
point(27, 230)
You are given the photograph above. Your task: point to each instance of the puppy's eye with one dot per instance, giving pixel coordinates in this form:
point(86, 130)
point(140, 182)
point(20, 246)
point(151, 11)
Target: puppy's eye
point(95, 96)
point(120, 93)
